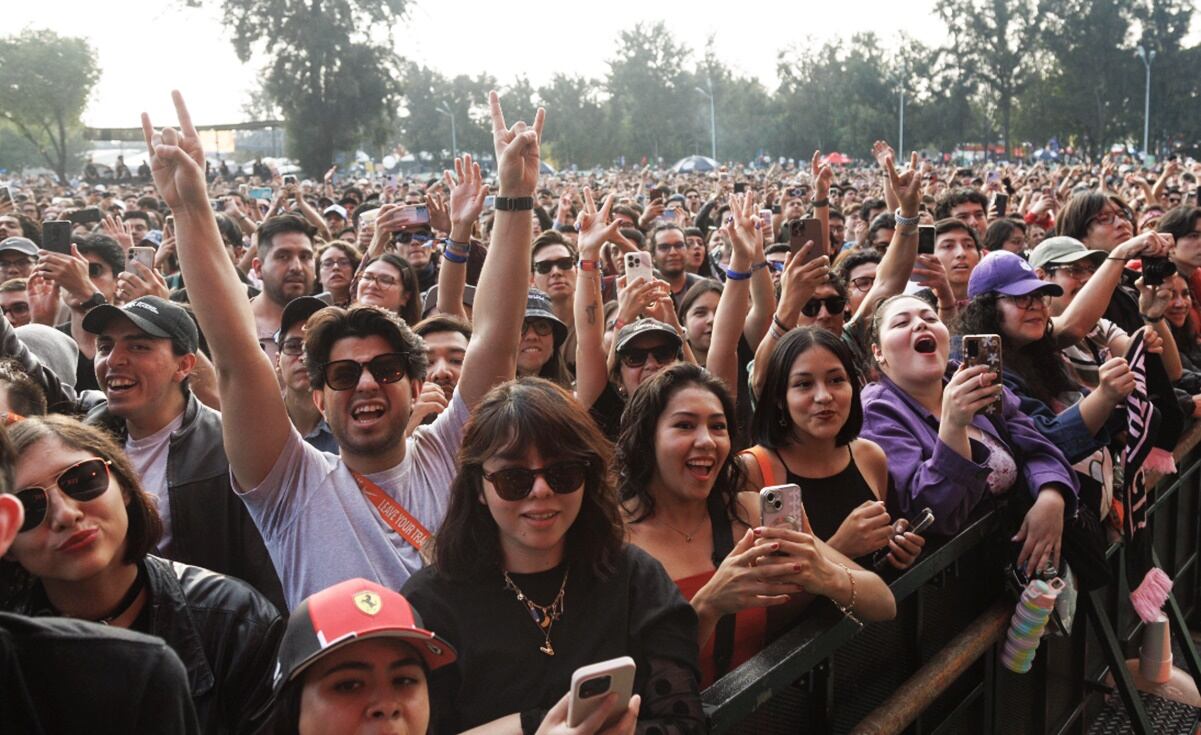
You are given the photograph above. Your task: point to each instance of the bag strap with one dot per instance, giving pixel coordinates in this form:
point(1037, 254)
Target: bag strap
point(397, 518)
point(723, 544)
point(763, 459)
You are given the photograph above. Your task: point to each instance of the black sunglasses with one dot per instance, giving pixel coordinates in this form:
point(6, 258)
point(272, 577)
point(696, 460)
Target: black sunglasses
point(545, 266)
point(389, 367)
point(636, 356)
point(515, 483)
point(82, 481)
point(405, 237)
point(834, 305)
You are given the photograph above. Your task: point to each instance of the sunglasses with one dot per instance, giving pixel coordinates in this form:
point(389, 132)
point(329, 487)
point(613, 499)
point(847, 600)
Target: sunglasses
point(404, 238)
point(546, 266)
point(636, 356)
point(82, 481)
point(18, 308)
point(833, 304)
point(389, 367)
point(541, 327)
point(516, 483)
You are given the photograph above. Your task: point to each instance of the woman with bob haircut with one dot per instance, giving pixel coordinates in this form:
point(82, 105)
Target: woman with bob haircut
point(810, 418)
point(389, 282)
point(337, 262)
point(532, 580)
point(84, 552)
point(680, 487)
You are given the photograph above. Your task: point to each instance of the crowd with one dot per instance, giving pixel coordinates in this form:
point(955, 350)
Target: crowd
point(407, 454)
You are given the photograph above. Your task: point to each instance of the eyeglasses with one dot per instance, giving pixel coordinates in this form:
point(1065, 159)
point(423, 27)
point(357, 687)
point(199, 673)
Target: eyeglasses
point(389, 367)
point(15, 262)
point(293, 347)
point(17, 307)
point(336, 263)
point(665, 247)
point(636, 356)
point(775, 265)
point(863, 284)
point(1073, 271)
point(1110, 217)
point(1029, 301)
point(516, 483)
point(82, 481)
point(380, 279)
point(541, 327)
point(834, 305)
point(546, 266)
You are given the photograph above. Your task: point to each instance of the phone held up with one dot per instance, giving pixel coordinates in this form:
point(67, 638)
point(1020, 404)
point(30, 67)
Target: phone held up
point(590, 684)
point(638, 265)
point(925, 239)
point(56, 236)
point(984, 349)
point(780, 505)
point(142, 255)
point(801, 231)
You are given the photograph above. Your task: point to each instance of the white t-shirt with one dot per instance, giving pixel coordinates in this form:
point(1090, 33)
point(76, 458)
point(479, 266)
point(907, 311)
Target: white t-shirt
point(320, 530)
point(149, 458)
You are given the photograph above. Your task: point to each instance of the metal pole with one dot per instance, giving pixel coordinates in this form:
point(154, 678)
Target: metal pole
point(454, 139)
point(1147, 58)
point(712, 121)
point(901, 135)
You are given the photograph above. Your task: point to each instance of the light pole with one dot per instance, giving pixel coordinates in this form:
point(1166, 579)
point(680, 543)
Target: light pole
point(712, 118)
point(454, 140)
point(1147, 57)
point(901, 132)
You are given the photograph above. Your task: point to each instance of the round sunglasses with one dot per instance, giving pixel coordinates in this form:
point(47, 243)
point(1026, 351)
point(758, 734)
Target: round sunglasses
point(515, 483)
point(82, 481)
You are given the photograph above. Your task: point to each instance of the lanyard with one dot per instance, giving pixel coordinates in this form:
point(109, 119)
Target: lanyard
point(397, 518)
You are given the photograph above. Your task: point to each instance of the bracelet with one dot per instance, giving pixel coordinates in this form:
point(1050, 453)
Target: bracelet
point(454, 257)
point(775, 332)
point(902, 220)
point(462, 248)
point(734, 275)
point(849, 608)
point(823, 202)
point(759, 266)
point(1152, 320)
point(1114, 257)
point(588, 265)
point(775, 320)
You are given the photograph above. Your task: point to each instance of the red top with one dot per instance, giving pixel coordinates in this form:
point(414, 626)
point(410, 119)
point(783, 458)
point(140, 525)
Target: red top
point(750, 629)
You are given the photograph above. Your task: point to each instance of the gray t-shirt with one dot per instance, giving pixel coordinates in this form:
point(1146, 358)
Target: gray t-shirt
point(148, 456)
point(320, 530)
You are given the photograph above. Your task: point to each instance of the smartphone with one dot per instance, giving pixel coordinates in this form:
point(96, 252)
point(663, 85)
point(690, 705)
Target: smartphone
point(56, 236)
point(780, 505)
point(922, 522)
point(802, 231)
point(414, 215)
point(6, 195)
point(657, 193)
point(669, 215)
point(984, 349)
point(917, 525)
point(638, 265)
point(1000, 203)
point(739, 187)
point(260, 192)
point(1156, 270)
point(590, 684)
point(88, 216)
point(490, 202)
point(169, 225)
point(925, 239)
point(145, 256)
point(765, 216)
point(289, 179)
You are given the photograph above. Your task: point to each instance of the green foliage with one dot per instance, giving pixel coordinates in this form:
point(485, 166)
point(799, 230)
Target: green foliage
point(45, 80)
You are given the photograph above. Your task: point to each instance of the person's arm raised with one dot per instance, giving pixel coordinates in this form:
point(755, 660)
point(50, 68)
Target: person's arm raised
point(591, 369)
point(256, 423)
point(467, 193)
point(734, 304)
point(492, 353)
point(897, 264)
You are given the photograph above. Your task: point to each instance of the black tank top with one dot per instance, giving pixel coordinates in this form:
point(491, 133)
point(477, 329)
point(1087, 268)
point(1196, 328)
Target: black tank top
point(829, 500)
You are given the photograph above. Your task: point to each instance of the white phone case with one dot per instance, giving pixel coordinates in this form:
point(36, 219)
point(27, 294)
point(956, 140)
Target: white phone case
point(619, 673)
point(638, 265)
point(780, 505)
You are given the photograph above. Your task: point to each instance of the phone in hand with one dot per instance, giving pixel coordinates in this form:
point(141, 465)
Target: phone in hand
point(143, 255)
point(490, 202)
point(765, 216)
point(1156, 270)
point(916, 526)
point(260, 192)
point(1000, 203)
point(86, 216)
point(780, 505)
point(590, 684)
point(984, 349)
point(657, 193)
point(169, 226)
point(638, 265)
point(925, 239)
point(289, 180)
point(739, 187)
point(669, 215)
point(801, 231)
point(56, 236)
point(413, 216)
point(6, 195)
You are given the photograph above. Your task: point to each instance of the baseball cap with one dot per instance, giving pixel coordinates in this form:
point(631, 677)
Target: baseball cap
point(1008, 274)
point(21, 245)
point(348, 612)
point(154, 316)
point(1064, 249)
point(298, 309)
point(537, 306)
point(337, 209)
point(645, 326)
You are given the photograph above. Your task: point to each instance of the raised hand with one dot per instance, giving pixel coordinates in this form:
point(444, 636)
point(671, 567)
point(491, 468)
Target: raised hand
point(594, 232)
point(69, 272)
point(177, 161)
point(467, 193)
point(138, 280)
point(968, 392)
point(517, 151)
point(907, 186)
point(118, 230)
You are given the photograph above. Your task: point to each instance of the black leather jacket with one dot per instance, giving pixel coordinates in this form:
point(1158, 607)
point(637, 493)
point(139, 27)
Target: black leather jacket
point(210, 526)
point(226, 634)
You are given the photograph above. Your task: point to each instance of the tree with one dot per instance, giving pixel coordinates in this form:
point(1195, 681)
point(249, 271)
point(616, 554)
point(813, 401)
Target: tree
point(651, 101)
point(580, 134)
point(45, 80)
point(337, 87)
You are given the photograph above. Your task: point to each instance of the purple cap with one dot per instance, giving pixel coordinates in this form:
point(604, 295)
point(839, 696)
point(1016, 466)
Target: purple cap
point(1007, 274)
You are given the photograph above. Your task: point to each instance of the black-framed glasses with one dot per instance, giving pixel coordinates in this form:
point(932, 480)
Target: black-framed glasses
point(1030, 300)
point(863, 284)
point(665, 247)
point(389, 367)
point(635, 357)
point(544, 267)
point(1074, 270)
point(292, 346)
point(834, 305)
point(379, 279)
point(541, 327)
point(82, 481)
point(516, 483)
point(17, 308)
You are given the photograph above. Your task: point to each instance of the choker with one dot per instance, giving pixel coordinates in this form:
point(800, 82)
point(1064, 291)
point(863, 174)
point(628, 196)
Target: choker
point(126, 601)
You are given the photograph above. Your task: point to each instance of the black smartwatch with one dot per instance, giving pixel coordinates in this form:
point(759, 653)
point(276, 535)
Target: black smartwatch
point(97, 299)
point(513, 204)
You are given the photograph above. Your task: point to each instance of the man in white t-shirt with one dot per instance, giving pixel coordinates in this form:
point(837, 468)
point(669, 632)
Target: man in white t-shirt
point(323, 517)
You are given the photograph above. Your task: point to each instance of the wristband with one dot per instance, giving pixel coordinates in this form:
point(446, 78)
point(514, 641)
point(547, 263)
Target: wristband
point(823, 202)
point(734, 275)
point(513, 204)
point(1152, 320)
point(454, 257)
point(759, 266)
point(461, 247)
point(776, 321)
point(902, 220)
point(588, 265)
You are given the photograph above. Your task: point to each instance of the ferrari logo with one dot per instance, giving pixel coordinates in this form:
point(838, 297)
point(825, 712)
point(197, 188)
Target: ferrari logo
point(368, 602)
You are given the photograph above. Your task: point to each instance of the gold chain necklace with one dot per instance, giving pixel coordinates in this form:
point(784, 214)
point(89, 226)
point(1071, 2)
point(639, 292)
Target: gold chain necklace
point(688, 536)
point(544, 615)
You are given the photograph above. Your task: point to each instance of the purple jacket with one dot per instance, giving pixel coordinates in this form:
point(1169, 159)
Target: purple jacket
point(925, 472)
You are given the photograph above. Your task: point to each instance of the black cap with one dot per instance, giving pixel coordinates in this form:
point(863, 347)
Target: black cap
point(298, 309)
point(537, 306)
point(154, 316)
point(646, 326)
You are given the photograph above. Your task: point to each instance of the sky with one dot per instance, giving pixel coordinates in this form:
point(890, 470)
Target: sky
point(146, 48)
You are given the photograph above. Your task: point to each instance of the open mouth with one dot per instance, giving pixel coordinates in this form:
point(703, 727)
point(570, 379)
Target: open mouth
point(925, 344)
point(368, 412)
point(701, 469)
point(119, 385)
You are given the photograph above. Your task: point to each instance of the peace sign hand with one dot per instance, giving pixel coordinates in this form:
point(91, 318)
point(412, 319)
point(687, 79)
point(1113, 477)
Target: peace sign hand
point(517, 151)
point(177, 161)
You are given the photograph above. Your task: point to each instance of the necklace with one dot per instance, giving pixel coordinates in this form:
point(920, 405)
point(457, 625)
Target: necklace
point(126, 602)
point(544, 615)
point(688, 536)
